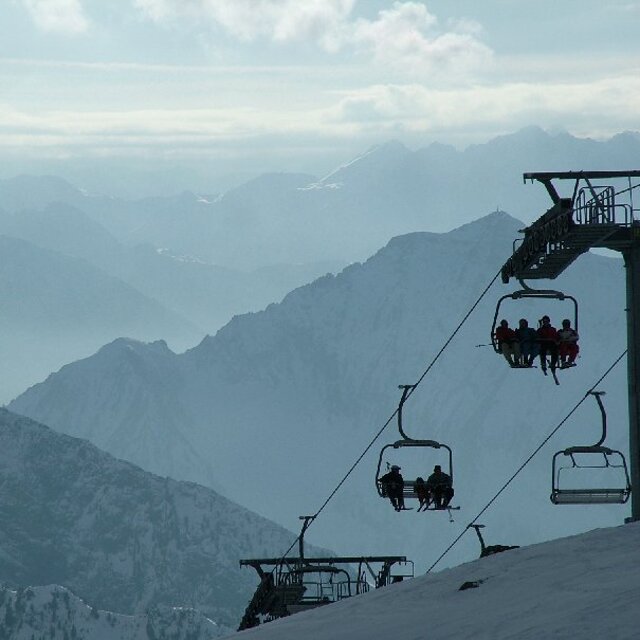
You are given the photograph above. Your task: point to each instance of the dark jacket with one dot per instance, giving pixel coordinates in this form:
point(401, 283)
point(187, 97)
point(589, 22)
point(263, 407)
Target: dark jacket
point(526, 334)
point(393, 481)
point(439, 479)
point(548, 334)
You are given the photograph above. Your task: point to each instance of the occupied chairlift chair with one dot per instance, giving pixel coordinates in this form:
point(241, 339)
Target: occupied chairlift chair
point(409, 491)
point(606, 458)
point(536, 294)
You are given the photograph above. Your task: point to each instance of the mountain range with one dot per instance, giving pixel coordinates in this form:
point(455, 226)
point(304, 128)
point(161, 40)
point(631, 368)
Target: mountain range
point(344, 216)
point(294, 393)
point(58, 308)
point(120, 538)
point(200, 259)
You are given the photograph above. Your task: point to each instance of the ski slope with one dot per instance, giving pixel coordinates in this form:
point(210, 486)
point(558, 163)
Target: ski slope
point(584, 586)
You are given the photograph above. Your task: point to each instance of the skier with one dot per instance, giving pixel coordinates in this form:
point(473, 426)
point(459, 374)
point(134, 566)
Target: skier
point(507, 343)
point(527, 339)
point(548, 339)
point(423, 493)
point(440, 485)
point(568, 348)
point(393, 486)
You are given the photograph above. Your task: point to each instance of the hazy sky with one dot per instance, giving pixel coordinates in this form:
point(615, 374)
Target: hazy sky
point(298, 84)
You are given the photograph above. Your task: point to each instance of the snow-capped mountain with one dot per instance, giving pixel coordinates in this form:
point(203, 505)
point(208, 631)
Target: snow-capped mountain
point(120, 538)
point(587, 586)
point(298, 391)
point(55, 613)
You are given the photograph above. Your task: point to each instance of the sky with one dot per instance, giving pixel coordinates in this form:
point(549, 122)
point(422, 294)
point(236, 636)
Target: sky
point(241, 86)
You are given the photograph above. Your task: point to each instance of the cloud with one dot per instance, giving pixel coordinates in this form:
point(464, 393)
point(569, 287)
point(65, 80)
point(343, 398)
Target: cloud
point(64, 16)
point(580, 107)
point(406, 36)
point(247, 20)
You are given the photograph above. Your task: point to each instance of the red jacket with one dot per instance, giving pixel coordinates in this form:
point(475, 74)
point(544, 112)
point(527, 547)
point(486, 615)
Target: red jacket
point(505, 334)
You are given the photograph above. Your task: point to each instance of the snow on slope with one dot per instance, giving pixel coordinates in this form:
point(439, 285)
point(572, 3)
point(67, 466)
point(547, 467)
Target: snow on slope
point(583, 587)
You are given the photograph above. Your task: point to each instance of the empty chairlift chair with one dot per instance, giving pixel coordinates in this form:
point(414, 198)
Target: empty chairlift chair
point(595, 462)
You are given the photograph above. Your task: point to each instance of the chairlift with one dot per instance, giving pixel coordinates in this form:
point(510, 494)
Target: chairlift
point(409, 491)
point(536, 294)
point(566, 463)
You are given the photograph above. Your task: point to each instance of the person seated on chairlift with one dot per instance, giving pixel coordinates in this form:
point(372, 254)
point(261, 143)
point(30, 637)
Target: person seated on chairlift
point(507, 343)
point(568, 348)
point(393, 485)
point(548, 340)
point(423, 493)
point(440, 485)
point(528, 341)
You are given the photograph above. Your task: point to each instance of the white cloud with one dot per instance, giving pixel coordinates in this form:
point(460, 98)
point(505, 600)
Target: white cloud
point(580, 107)
point(277, 20)
point(407, 35)
point(65, 16)
point(598, 109)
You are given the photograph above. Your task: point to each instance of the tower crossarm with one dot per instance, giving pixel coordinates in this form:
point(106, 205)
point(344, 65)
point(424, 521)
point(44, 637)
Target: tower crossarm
point(600, 213)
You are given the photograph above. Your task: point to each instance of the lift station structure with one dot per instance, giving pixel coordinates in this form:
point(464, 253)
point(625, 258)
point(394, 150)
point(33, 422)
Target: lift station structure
point(599, 214)
point(290, 585)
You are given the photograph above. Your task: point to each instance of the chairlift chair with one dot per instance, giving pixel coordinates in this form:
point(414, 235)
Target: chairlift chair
point(536, 294)
point(603, 458)
point(409, 491)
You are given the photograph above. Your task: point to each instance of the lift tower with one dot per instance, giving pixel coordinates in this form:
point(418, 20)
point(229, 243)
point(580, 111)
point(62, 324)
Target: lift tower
point(600, 213)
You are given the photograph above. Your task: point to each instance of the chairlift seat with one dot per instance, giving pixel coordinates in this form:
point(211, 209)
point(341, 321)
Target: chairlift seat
point(408, 492)
point(590, 496)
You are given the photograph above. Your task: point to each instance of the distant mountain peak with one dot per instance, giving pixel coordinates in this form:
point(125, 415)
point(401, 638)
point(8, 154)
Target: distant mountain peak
point(378, 156)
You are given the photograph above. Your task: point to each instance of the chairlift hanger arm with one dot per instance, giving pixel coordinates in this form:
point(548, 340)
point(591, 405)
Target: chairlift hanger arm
point(603, 413)
point(406, 388)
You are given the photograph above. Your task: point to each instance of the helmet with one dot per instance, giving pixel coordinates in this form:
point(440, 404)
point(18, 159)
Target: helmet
point(395, 467)
point(547, 318)
point(437, 468)
point(566, 322)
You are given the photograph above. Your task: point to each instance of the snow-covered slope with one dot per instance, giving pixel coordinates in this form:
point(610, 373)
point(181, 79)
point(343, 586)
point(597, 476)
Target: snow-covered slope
point(585, 587)
point(295, 393)
point(55, 613)
point(119, 537)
